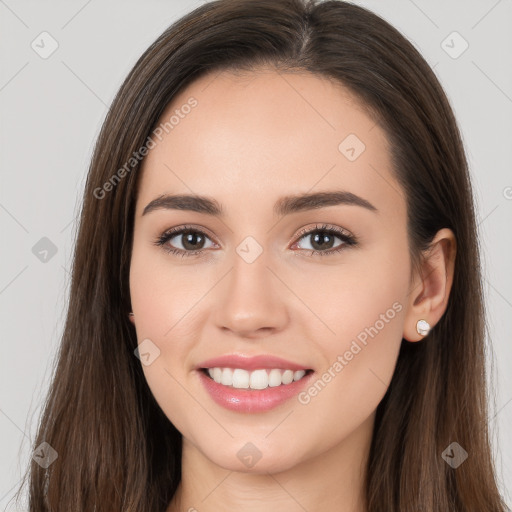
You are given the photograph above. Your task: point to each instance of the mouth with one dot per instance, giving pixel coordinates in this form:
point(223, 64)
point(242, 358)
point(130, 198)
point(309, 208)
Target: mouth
point(255, 380)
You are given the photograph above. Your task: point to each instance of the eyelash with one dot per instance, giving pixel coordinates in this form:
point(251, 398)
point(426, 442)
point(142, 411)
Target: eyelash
point(348, 240)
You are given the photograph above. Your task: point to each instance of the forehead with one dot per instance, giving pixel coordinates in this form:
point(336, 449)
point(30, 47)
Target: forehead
point(253, 137)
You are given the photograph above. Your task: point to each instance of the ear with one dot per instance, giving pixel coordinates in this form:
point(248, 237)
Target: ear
point(429, 292)
point(132, 318)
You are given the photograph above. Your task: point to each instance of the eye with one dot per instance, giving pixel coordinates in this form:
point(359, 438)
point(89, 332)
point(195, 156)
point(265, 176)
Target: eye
point(322, 239)
point(192, 241)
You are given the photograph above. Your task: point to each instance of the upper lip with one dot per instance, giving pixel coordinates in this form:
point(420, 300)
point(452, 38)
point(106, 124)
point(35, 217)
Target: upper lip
point(250, 362)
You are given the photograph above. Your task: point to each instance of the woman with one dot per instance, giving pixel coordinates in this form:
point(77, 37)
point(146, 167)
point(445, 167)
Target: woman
point(276, 295)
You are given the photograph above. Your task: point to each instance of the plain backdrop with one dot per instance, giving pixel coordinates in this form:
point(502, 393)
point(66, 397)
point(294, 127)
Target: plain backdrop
point(52, 107)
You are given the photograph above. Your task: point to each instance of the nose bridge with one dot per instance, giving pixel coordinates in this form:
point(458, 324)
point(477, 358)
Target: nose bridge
point(250, 280)
point(249, 299)
point(250, 267)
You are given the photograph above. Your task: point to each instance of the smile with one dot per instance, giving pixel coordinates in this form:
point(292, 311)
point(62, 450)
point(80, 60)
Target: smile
point(259, 390)
point(257, 379)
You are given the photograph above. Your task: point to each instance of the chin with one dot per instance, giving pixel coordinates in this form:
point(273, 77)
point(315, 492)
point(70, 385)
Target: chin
point(251, 457)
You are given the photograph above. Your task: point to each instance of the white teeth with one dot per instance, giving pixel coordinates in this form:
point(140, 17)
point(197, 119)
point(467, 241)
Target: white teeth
point(287, 377)
point(274, 378)
point(240, 378)
point(227, 377)
point(257, 379)
point(299, 374)
point(217, 374)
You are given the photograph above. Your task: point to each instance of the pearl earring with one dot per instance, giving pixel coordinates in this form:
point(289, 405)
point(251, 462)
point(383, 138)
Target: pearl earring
point(422, 327)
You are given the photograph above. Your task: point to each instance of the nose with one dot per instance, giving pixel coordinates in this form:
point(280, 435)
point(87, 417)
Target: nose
point(250, 301)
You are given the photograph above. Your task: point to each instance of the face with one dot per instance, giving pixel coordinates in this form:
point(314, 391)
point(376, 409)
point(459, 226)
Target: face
point(320, 283)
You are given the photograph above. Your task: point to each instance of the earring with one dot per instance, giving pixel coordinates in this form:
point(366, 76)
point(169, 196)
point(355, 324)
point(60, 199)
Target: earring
point(422, 327)
point(131, 314)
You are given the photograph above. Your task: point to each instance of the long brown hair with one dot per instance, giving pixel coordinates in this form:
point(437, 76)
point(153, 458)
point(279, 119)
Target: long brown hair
point(117, 451)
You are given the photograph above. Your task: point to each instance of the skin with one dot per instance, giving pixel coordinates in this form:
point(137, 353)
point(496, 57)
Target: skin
point(252, 139)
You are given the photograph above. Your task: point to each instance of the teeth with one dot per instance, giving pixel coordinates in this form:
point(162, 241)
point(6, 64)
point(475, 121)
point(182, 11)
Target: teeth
point(227, 377)
point(240, 378)
point(274, 378)
point(257, 379)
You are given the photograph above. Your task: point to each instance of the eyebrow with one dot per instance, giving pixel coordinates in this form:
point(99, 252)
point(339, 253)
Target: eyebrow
point(283, 206)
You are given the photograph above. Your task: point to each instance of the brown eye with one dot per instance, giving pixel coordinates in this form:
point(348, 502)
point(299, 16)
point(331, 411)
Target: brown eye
point(322, 240)
point(190, 240)
point(184, 241)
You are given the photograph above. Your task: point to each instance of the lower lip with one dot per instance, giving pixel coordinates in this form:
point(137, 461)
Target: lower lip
point(252, 400)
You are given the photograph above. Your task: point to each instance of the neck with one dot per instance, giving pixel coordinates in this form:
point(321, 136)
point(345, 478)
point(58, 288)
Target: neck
point(332, 480)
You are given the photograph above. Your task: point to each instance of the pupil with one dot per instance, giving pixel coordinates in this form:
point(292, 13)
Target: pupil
point(320, 239)
point(192, 239)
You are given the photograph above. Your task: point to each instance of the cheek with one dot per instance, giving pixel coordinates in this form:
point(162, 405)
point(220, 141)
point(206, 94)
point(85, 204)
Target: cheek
point(162, 299)
point(359, 363)
point(162, 293)
point(364, 304)
point(366, 301)
point(365, 291)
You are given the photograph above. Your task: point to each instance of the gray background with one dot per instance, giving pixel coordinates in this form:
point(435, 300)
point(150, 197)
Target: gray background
point(51, 112)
